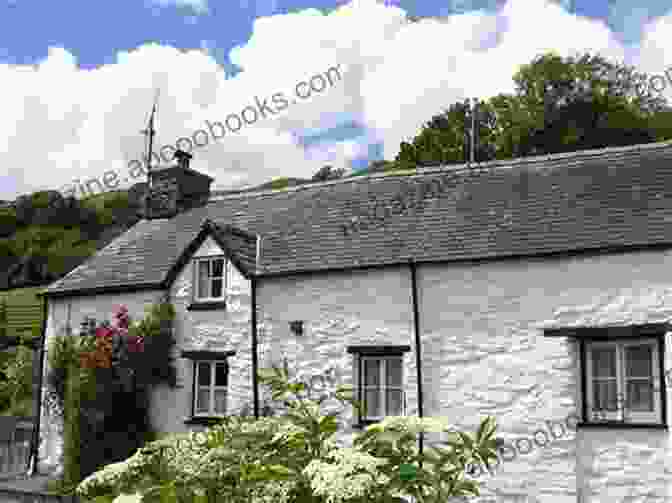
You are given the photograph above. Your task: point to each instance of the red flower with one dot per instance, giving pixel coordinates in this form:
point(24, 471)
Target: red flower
point(122, 317)
point(103, 332)
point(135, 344)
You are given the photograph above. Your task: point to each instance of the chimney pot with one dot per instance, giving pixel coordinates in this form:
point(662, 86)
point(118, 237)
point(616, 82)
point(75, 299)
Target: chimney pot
point(183, 158)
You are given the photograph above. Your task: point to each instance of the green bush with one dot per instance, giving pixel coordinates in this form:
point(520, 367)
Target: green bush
point(7, 248)
point(279, 183)
point(63, 354)
point(294, 458)
point(19, 384)
point(8, 217)
point(72, 472)
point(40, 199)
point(99, 381)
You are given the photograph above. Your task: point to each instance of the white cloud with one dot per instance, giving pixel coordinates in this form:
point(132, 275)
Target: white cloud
point(60, 123)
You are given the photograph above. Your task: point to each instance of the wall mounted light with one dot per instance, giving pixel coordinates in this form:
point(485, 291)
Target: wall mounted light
point(296, 327)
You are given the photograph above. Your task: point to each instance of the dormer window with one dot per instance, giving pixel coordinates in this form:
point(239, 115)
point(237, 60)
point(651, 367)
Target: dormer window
point(211, 279)
point(210, 282)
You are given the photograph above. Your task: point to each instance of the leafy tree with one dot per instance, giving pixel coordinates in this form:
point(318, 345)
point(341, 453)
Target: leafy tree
point(559, 105)
point(580, 103)
point(328, 173)
point(446, 138)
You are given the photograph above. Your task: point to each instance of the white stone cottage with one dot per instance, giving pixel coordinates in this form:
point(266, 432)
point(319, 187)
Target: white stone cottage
point(535, 290)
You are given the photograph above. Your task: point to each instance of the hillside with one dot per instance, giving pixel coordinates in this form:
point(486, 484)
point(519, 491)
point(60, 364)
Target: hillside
point(43, 236)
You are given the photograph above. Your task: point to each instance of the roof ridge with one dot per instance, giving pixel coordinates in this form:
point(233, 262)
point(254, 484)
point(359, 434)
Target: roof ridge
point(515, 162)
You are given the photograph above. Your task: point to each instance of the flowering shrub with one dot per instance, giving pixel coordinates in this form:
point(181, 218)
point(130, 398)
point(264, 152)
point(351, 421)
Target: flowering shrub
point(99, 382)
point(113, 343)
point(294, 458)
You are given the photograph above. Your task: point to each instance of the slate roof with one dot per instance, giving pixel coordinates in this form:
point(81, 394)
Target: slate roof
point(611, 198)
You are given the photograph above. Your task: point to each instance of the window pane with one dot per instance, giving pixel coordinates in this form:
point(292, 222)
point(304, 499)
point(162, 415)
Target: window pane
point(216, 287)
point(203, 279)
point(217, 268)
point(371, 372)
point(372, 403)
point(203, 374)
point(220, 401)
point(220, 374)
point(394, 402)
point(202, 400)
point(640, 395)
point(604, 395)
point(638, 360)
point(604, 362)
point(393, 372)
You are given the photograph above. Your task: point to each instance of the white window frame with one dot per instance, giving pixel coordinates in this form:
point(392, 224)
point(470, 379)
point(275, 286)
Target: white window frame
point(224, 277)
point(623, 414)
point(211, 388)
point(383, 386)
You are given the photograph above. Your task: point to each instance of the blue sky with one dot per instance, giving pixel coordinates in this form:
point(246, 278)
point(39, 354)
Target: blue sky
point(79, 76)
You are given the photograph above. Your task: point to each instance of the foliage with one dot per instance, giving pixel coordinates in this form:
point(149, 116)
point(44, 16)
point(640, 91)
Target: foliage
point(3, 317)
point(143, 347)
point(50, 235)
point(295, 458)
point(559, 105)
point(17, 390)
point(16, 363)
point(63, 355)
point(156, 332)
point(8, 218)
point(328, 173)
point(41, 199)
point(99, 381)
point(106, 205)
point(279, 183)
point(72, 472)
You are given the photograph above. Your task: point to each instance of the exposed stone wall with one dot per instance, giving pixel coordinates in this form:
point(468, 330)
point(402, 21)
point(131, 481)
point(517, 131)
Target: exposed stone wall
point(218, 330)
point(339, 309)
point(484, 353)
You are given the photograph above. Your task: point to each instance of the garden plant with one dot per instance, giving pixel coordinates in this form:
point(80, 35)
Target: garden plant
point(99, 382)
point(296, 457)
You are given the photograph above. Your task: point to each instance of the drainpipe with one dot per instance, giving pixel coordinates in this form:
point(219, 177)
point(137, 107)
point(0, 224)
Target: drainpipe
point(255, 363)
point(35, 439)
point(418, 356)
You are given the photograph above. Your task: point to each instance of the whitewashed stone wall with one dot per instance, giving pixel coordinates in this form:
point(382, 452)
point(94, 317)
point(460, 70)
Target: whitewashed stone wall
point(339, 309)
point(484, 353)
point(218, 330)
point(74, 310)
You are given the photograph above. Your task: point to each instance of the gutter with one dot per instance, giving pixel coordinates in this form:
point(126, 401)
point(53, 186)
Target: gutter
point(35, 440)
point(255, 356)
point(255, 363)
point(418, 355)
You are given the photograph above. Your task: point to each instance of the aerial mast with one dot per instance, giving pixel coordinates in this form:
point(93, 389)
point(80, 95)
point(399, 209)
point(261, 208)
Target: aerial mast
point(150, 132)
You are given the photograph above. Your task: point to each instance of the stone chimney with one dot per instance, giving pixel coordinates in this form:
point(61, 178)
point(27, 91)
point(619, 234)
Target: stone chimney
point(176, 188)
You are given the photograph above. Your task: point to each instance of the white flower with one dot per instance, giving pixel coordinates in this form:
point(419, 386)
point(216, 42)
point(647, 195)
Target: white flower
point(272, 492)
point(352, 474)
point(128, 498)
point(413, 424)
point(287, 432)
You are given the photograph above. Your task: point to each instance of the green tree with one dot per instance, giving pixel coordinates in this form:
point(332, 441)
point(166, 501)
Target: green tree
point(328, 173)
point(559, 105)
